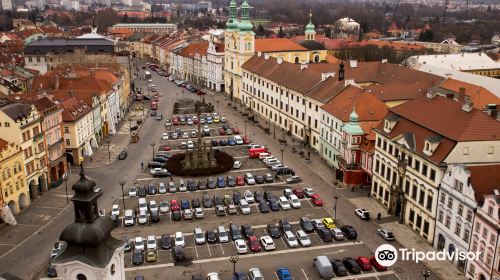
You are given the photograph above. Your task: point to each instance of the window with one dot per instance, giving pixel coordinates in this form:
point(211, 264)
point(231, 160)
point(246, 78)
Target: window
point(458, 228)
point(414, 192)
point(490, 210)
point(450, 202)
point(440, 216)
point(430, 198)
point(466, 234)
point(417, 165)
point(477, 228)
point(442, 198)
point(460, 209)
point(448, 220)
point(424, 169)
point(485, 233)
point(390, 149)
point(68, 142)
point(419, 221)
point(469, 215)
point(421, 197)
point(378, 142)
point(433, 175)
point(492, 238)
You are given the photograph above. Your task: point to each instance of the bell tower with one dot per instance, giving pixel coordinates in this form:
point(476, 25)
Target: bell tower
point(310, 32)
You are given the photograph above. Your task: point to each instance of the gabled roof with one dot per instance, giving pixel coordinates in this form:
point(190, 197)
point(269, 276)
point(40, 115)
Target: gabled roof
point(327, 89)
point(194, 48)
point(16, 111)
point(277, 45)
point(484, 179)
point(74, 109)
point(478, 94)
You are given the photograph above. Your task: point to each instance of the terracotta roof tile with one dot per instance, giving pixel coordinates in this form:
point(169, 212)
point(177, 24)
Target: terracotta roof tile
point(277, 45)
point(327, 89)
point(484, 179)
point(74, 109)
point(479, 95)
point(3, 144)
point(194, 48)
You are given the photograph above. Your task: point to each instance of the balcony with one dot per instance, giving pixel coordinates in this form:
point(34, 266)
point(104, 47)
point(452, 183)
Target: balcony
point(348, 166)
point(38, 137)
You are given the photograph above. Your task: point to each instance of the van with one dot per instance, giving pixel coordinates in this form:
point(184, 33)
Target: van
point(160, 159)
point(255, 152)
point(143, 205)
point(222, 234)
point(129, 218)
point(264, 155)
point(323, 266)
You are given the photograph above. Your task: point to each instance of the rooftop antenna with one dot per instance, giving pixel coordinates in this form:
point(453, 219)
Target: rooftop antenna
point(445, 7)
point(467, 10)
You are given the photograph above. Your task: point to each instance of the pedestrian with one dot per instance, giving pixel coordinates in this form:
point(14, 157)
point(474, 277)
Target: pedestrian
point(142, 165)
point(379, 215)
point(135, 213)
point(171, 178)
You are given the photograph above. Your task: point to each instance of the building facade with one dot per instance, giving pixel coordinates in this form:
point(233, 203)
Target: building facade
point(78, 129)
point(159, 28)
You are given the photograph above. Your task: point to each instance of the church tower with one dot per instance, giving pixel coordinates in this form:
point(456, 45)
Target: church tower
point(310, 32)
point(91, 251)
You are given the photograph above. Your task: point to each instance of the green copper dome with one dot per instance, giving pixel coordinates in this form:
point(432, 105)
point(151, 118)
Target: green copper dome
point(352, 127)
point(245, 24)
point(310, 26)
point(232, 23)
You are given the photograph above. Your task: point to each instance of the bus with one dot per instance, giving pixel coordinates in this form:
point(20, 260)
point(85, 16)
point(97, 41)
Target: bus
point(147, 75)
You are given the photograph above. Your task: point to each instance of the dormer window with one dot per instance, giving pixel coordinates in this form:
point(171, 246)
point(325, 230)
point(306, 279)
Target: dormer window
point(431, 143)
point(390, 122)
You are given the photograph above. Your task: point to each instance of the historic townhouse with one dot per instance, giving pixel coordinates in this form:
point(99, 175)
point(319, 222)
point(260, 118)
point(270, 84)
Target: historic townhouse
point(215, 67)
point(414, 147)
point(21, 125)
point(78, 129)
point(486, 233)
point(14, 194)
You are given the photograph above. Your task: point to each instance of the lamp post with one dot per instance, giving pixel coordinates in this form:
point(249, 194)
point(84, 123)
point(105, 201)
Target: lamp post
point(234, 260)
point(282, 149)
point(153, 146)
point(130, 124)
point(109, 152)
point(402, 164)
point(66, 178)
point(426, 273)
point(336, 196)
point(122, 183)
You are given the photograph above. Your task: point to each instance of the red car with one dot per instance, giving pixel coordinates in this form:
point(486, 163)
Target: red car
point(316, 200)
point(167, 147)
point(174, 205)
point(364, 263)
point(254, 243)
point(236, 130)
point(298, 192)
point(246, 140)
point(195, 120)
point(175, 121)
point(240, 181)
point(222, 131)
point(375, 264)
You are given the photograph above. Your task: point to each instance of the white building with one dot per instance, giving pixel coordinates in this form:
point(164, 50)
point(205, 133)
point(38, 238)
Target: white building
point(148, 27)
point(215, 67)
point(413, 143)
point(78, 129)
point(7, 5)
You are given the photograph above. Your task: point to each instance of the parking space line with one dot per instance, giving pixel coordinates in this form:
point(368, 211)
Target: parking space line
point(303, 272)
point(209, 252)
point(371, 274)
point(276, 274)
point(196, 250)
point(309, 201)
point(248, 170)
point(145, 267)
point(222, 249)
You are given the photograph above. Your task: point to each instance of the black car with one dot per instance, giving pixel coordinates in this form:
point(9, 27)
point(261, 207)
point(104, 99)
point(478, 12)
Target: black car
point(211, 236)
point(338, 267)
point(197, 277)
point(258, 195)
point(231, 181)
point(268, 195)
point(284, 171)
point(236, 197)
point(162, 173)
point(285, 225)
point(195, 202)
point(155, 216)
point(178, 253)
point(259, 179)
point(352, 265)
point(141, 191)
point(268, 178)
point(207, 201)
point(247, 230)
point(238, 275)
point(191, 185)
point(202, 185)
point(263, 206)
point(235, 231)
point(214, 143)
point(152, 189)
point(306, 224)
point(273, 231)
point(51, 271)
point(137, 257)
point(155, 164)
point(176, 215)
point(349, 232)
point(166, 241)
point(128, 246)
point(211, 183)
point(218, 200)
point(123, 155)
point(273, 204)
point(325, 235)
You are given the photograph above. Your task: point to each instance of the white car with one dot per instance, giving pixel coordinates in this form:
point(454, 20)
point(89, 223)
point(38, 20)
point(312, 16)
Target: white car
point(222, 234)
point(190, 144)
point(164, 207)
point(190, 121)
point(290, 239)
point(132, 192)
point(162, 188)
point(245, 207)
point(143, 218)
point(284, 203)
point(115, 210)
point(157, 170)
point(255, 274)
point(363, 213)
point(238, 140)
point(241, 246)
point(249, 179)
point(303, 238)
point(287, 193)
point(165, 136)
point(139, 243)
point(213, 276)
point(179, 239)
point(267, 242)
point(199, 236)
point(248, 196)
point(185, 135)
point(153, 206)
point(318, 224)
point(198, 213)
point(294, 200)
point(151, 242)
point(386, 234)
point(308, 192)
point(182, 186)
point(223, 119)
point(237, 164)
point(338, 234)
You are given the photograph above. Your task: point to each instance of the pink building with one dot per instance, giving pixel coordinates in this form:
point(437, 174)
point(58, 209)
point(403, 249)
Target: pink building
point(485, 237)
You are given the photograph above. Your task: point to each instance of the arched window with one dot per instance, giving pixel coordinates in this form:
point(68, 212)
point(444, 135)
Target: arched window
point(297, 59)
point(81, 277)
point(316, 58)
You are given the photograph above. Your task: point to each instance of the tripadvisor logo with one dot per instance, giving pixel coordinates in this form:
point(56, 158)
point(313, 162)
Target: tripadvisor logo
point(387, 255)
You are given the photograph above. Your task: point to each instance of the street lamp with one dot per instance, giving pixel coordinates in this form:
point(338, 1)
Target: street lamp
point(336, 196)
point(153, 145)
point(234, 260)
point(109, 152)
point(66, 178)
point(282, 149)
point(122, 183)
point(130, 124)
point(426, 273)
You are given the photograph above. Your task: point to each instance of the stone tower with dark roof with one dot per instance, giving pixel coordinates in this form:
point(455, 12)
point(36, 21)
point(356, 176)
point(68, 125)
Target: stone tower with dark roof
point(91, 251)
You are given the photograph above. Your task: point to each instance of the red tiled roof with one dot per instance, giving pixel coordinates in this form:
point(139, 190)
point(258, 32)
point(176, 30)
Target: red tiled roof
point(74, 109)
point(484, 179)
point(479, 95)
point(194, 48)
point(277, 45)
point(3, 144)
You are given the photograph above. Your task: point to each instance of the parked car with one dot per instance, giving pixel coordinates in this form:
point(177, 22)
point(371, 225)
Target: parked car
point(255, 274)
point(306, 224)
point(325, 235)
point(316, 200)
point(123, 155)
point(240, 246)
point(137, 257)
point(273, 230)
point(179, 239)
point(132, 191)
point(329, 223)
point(179, 254)
point(254, 243)
point(166, 241)
point(364, 263)
point(386, 234)
point(268, 178)
point(267, 242)
point(375, 264)
point(210, 236)
point(263, 206)
point(290, 239)
point(285, 225)
point(338, 267)
point(293, 179)
point(352, 265)
point(284, 274)
point(222, 234)
point(337, 234)
point(247, 230)
point(362, 213)
point(349, 232)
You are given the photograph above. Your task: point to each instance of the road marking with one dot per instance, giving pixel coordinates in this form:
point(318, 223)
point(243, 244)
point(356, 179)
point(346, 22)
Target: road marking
point(241, 157)
point(46, 207)
point(5, 244)
point(276, 274)
point(396, 276)
point(210, 252)
point(305, 275)
point(338, 251)
point(222, 249)
point(248, 170)
point(28, 225)
point(196, 250)
point(279, 252)
point(308, 201)
point(145, 267)
point(367, 275)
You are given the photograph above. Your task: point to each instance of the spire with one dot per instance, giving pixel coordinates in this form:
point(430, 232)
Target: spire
point(94, 26)
point(245, 24)
point(310, 33)
point(232, 23)
point(353, 117)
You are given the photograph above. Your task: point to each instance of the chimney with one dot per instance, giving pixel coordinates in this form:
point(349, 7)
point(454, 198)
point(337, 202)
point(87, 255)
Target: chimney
point(492, 110)
point(280, 60)
point(56, 86)
point(461, 94)
point(303, 65)
point(259, 54)
point(431, 94)
point(467, 106)
point(341, 71)
point(353, 63)
point(266, 56)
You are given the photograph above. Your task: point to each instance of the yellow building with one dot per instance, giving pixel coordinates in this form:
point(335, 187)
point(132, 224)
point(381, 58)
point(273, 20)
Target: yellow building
point(241, 45)
point(13, 189)
point(21, 125)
